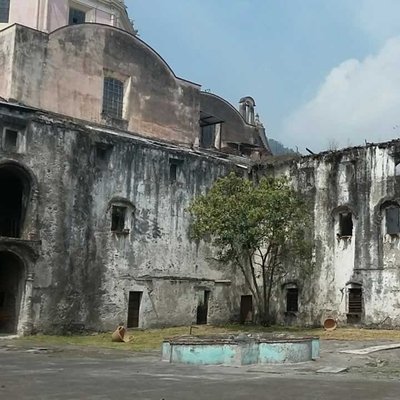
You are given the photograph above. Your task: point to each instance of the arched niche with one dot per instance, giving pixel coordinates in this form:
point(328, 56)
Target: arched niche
point(18, 201)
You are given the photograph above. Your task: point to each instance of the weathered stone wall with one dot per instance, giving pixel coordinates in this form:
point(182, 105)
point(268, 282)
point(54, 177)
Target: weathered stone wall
point(85, 271)
point(63, 72)
point(360, 181)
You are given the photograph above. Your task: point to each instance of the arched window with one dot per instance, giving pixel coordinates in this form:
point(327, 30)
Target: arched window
point(390, 212)
point(4, 11)
point(246, 107)
point(397, 169)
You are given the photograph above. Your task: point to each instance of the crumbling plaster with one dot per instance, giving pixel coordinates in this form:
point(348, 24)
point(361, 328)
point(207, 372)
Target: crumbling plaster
point(84, 272)
point(358, 180)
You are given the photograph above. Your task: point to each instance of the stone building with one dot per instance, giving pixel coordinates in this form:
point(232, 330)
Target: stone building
point(102, 148)
point(355, 197)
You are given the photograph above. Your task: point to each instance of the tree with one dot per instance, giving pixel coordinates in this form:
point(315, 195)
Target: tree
point(258, 227)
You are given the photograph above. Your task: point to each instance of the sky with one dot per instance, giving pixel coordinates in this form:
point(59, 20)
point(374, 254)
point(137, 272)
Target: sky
point(325, 74)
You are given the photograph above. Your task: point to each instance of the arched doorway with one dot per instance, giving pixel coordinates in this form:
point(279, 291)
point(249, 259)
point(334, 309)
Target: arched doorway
point(14, 199)
point(11, 288)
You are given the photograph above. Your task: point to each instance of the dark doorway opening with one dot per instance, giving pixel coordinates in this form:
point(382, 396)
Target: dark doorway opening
point(202, 309)
point(292, 300)
point(133, 309)
point(246, 309)
point(355, 305)
point(11, 272)
point(14, 197)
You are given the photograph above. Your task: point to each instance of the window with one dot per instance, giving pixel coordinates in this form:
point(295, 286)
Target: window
point(76, 16)
point(4, 11)
point(392, 220)
point(118, 218)
point(345, 224)
point(113, 97)
point(10, 139)
point(207, 136)
point(292, 300)
point(103, 153)
point(174, 165)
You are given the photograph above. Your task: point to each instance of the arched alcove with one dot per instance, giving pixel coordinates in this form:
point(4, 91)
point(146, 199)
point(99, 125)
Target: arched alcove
point(15, 191)
point(11, 287)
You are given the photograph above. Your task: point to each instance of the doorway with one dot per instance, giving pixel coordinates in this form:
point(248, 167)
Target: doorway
point(133, 309)
point(202, 309)
point(355, 305)
point(11, 273)
point(246, 309)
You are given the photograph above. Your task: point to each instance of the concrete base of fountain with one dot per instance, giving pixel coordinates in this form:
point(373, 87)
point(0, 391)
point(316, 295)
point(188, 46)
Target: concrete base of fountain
point(240, 350)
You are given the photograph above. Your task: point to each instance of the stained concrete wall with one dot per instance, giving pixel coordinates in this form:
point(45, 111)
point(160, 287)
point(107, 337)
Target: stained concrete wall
point(84, 271)
point(359, 180)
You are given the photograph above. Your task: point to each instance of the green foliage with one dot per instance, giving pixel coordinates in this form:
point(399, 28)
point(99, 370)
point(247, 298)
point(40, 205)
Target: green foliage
point(256, 226)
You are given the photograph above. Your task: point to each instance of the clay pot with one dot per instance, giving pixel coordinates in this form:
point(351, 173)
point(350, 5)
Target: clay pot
point(118, 334)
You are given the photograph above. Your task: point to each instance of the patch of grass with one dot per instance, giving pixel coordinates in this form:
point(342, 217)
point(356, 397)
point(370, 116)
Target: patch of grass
point(151, 339)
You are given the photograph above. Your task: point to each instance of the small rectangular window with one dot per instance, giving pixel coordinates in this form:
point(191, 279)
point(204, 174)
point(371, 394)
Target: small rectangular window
point(207, 136)
point(174, 166)
point(118, 218)
point(4, 11)
point(113, 97)
point(76, 16)
point(393, 220)
point(10, 139)
point(292, 300)
point(346, 224)
point(103, 153)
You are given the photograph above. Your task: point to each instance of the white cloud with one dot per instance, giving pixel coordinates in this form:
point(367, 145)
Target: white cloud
point(359, 100)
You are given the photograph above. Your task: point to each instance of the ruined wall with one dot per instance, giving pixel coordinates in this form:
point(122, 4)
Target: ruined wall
point(85, 271)
point(64, 71)
point(359, 182)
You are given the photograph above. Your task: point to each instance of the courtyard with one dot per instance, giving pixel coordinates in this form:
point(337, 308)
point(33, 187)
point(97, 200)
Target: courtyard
point(69, 368)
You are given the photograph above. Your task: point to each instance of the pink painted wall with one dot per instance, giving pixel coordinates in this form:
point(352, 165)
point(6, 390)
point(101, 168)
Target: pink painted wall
point(49, 15)
point(23, 12)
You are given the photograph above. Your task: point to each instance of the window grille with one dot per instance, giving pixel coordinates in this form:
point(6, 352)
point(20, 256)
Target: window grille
point(355, 301)
point(113, 97)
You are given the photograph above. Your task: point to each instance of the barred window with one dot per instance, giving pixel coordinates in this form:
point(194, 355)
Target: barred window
point(113, 97)
point(4, 10)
